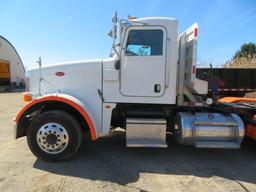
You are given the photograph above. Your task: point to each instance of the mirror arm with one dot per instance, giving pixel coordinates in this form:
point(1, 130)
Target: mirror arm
point(114, 48)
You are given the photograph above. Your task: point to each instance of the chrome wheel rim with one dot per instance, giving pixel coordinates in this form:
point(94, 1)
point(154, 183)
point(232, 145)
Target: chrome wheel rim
point(52, 138)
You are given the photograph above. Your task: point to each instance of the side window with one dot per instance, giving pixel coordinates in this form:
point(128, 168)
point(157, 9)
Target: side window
point(144, 42)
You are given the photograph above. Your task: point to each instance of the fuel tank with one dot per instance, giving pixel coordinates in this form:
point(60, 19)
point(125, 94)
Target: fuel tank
point(209, 130)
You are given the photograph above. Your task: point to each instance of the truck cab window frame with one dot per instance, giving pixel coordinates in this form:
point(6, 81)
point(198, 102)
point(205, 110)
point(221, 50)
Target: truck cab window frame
point(144, 42)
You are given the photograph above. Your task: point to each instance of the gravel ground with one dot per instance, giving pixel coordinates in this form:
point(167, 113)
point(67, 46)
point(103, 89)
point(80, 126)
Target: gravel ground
point(107, 165)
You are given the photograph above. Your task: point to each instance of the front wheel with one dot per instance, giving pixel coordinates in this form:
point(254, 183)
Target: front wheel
point(54, 136)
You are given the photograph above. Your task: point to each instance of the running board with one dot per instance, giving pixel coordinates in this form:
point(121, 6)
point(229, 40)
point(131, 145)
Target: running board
point(143, 132)
point(217, 144)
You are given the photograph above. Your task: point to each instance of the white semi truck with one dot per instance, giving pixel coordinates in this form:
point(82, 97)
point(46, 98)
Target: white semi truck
point(147, 87)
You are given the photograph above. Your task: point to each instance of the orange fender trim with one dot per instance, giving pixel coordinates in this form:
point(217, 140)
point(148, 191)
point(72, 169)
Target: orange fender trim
point(250, 130)
point(64, 100)
point(236, 99)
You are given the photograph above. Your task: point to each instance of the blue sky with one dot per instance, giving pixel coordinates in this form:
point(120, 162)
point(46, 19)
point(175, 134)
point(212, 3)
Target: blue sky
point(63, 30)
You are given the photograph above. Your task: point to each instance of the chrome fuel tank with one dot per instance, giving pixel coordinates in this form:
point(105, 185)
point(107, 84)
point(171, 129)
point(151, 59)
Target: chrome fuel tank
point(209, 130)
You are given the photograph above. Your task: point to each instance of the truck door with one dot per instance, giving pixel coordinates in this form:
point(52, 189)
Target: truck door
point(143, 61)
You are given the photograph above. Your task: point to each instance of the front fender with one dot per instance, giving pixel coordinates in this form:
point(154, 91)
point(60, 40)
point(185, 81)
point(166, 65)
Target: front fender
point(67, 99)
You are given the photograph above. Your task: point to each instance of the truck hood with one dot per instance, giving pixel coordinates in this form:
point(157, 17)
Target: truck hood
point(64, 64)
point(68, 77)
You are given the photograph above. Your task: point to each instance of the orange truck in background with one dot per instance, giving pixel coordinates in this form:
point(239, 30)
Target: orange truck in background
point(4, 73)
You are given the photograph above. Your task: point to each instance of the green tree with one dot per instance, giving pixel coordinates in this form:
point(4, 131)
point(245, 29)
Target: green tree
point(247, 50)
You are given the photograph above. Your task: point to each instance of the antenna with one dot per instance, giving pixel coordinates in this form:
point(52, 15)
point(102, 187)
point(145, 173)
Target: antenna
point(113, 32)
point(40, 78)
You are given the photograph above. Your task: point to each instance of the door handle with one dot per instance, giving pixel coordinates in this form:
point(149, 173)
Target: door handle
point(157, 88)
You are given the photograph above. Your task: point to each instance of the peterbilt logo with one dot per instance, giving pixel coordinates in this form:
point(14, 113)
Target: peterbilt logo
point(59, 73)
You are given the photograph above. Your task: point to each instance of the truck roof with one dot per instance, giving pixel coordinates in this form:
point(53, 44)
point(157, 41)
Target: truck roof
point(156, 20)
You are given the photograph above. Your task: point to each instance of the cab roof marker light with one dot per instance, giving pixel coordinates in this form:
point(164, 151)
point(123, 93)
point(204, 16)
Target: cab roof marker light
point(131, 17)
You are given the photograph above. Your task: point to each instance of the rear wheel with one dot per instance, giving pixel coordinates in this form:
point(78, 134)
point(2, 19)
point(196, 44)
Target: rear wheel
point(54, 136)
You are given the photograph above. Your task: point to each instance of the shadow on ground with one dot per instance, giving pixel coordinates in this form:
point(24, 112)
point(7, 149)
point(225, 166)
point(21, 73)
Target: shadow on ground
point(109, 160)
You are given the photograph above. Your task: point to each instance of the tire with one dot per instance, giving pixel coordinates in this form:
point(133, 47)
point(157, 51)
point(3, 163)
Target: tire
point(54, 136)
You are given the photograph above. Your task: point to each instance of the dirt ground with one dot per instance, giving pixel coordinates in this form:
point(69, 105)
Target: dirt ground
point(107, 165)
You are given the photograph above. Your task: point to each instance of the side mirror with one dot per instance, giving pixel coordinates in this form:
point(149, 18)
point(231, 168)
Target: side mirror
point(110, 33)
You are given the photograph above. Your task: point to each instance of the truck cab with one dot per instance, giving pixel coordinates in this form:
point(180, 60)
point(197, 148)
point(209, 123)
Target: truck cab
point(147, 86)
point(147, 55)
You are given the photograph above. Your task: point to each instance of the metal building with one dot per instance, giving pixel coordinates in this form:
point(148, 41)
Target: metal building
point(12, 72)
